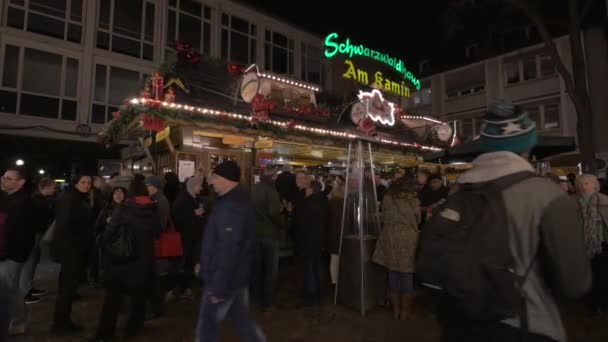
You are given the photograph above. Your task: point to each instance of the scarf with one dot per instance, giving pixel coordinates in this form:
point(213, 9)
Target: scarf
point(592, 224)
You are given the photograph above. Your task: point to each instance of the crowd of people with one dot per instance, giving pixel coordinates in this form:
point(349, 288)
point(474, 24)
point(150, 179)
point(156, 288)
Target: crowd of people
point(121, 235)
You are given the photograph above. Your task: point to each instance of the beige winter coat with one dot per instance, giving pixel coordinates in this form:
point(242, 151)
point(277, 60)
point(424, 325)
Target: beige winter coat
point(396, 246)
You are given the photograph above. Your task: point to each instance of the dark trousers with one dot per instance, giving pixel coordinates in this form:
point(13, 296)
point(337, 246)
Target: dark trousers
point(192, 245)
point(266, 270)
point(111, 307)
point(599, 291)
point(312, 279)
point(234, 308)
point(72, 269)
point(5, 317)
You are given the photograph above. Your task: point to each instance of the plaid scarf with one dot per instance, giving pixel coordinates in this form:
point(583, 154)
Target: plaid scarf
point(592, 224)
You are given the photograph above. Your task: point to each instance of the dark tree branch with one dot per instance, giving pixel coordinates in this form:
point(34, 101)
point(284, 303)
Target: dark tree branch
point(549, 43)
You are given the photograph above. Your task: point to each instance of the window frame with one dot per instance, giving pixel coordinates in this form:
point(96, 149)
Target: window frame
point(143, 74)
point(19, 91)
point(271, 45)
point(177, 9)
point(252, 38)
point(67, 19)
point(111, 34)
point(304, 49)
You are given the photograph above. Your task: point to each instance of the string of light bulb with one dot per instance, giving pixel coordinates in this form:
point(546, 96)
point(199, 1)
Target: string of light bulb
point(283, 124)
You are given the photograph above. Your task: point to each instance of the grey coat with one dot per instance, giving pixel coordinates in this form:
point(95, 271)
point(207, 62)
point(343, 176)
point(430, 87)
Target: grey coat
point(541, 215)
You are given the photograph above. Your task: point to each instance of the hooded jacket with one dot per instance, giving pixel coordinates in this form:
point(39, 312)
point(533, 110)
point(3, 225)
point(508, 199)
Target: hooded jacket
point(541, 218)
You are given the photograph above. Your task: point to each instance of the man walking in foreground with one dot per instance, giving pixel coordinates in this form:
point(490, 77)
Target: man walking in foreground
point(543, 243)
point(228, 249)
point(17, 242)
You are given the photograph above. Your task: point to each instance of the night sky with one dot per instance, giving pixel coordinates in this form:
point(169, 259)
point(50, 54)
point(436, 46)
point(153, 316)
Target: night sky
point(407, 29)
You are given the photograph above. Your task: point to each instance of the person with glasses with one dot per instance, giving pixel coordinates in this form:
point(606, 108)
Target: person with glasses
point(16, 244)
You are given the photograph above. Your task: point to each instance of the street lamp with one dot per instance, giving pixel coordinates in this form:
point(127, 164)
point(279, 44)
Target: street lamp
point(41, 171)
point(19, 162)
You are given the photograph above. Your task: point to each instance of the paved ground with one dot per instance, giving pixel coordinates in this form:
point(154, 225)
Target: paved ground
point(285, 324)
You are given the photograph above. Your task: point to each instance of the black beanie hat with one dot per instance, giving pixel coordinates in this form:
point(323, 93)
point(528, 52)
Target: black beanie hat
point(229, 170)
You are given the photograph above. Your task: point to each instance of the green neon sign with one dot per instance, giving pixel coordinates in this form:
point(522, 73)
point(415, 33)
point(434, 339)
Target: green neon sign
point(333, 47)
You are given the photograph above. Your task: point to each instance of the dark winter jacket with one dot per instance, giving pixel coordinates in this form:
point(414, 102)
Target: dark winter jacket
point(140, 216)
point(20, 230)
point(102, 220)
point(228, 247)
point(44, 207)
point(267, 205)
point(186, 222)
point(310, 221)
point(73, 226)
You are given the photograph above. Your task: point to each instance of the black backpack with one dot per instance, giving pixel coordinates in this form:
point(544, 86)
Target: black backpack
point(120, 247)
point(464, 253)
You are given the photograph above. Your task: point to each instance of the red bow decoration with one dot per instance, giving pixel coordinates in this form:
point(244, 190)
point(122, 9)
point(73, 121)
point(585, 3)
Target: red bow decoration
point(291, 124)
point(235, 68)
point(115, 115)
point(367, 126)
point(186, 55)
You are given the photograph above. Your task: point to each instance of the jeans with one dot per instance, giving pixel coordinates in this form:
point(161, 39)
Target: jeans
point(10, 274)
point(266, 270)
point(29, 268)
point(312, 279)
point(401, 281)
point(234, 308)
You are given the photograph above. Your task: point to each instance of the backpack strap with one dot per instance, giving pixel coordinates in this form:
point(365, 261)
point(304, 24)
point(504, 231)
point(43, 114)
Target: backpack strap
point(515, 178)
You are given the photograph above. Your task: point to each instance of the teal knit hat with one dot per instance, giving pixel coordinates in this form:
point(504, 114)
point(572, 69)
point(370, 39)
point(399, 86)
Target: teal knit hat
point(507, 127)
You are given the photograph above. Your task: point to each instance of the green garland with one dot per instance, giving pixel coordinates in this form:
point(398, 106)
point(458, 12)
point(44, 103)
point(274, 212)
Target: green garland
point(117, 128)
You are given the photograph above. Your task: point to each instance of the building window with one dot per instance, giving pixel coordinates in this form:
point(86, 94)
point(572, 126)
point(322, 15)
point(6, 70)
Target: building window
point(528, 68)
point(511, 72)
point(127, 27)
point(238, 43)
point(420, 98)
point(551, 116)
point(39, 83)
point(56, 18)
point(190, 22)
point(312, 64)
point(547, 66)
point(278, 53)
point(112, 86)
point(546, 115)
